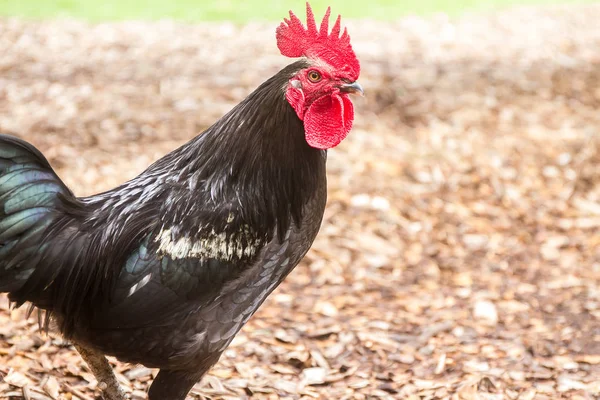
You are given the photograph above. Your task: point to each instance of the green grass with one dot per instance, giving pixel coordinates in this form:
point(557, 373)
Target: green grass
point(244, 10)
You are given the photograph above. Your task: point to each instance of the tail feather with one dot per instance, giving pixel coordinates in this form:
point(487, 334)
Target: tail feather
point(18, 223)
point(30, 198)
point(50, 253)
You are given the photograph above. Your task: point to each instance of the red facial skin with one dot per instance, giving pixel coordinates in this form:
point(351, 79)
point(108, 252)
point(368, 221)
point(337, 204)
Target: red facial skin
point(327, 112)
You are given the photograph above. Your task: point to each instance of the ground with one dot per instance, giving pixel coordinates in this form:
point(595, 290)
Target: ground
point(459, 257)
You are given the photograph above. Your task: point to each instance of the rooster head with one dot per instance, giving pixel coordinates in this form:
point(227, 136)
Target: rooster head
point(319, 93)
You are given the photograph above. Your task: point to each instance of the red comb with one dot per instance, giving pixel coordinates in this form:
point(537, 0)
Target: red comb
point(294, 40)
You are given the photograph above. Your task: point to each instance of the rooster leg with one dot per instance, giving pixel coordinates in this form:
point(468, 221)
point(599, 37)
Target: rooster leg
point(107, 381)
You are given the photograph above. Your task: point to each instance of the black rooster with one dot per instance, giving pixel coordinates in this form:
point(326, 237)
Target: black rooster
point(166, 269)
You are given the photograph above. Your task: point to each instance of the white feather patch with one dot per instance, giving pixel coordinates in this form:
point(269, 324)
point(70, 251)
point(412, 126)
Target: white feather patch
point(213, 245)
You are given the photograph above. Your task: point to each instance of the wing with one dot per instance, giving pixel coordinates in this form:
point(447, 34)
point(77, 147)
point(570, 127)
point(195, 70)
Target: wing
point(165, 278)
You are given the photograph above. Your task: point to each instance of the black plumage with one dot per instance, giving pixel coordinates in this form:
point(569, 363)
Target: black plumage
point(165, 269)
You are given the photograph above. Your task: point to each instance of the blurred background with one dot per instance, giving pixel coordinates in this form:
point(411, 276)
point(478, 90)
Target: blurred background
point(241, 12)
point(459, 257)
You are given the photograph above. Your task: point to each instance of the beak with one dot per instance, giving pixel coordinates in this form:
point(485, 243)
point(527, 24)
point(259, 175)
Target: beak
point(352, 88)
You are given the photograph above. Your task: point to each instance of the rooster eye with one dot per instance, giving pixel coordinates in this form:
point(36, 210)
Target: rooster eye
point(314, 76)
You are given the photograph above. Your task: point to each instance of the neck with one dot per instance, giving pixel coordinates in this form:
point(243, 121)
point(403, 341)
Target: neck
point(255, 158)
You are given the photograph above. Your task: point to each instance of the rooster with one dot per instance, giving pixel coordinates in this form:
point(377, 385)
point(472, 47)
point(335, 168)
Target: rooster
point(165, 269)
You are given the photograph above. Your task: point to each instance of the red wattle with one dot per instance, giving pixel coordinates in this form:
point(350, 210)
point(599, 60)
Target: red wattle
point(328, 121)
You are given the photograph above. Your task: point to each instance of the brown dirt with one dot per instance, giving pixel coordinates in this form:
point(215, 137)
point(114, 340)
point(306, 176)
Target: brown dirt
point(460, 253)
